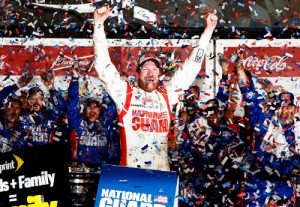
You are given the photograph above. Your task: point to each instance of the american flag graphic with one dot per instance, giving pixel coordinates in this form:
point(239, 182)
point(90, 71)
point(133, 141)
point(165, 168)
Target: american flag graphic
point(161, 199)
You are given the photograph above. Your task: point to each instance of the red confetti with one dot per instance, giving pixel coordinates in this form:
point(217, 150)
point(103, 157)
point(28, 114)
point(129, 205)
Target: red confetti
point(238, 15)
point(193, 13)
point(285, 20)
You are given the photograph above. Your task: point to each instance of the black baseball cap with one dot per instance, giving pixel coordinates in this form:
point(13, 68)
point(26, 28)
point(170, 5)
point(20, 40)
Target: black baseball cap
point(34, 90)
point(211, 107)
point(286, 99)
point(93, 100)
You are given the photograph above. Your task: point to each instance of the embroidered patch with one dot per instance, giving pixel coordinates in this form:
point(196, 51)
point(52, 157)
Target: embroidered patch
point(199, 55)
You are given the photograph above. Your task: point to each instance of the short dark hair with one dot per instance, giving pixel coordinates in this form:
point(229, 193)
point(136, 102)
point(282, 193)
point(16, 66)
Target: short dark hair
point(195, 87)
point(14, 99)
point(212, 107)
point(89, 101)
point(35, 90)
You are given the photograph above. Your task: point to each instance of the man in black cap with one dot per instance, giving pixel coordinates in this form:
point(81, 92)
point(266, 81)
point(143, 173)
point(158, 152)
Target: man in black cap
point(214, 111)
point(42, 122)
point(287, 108)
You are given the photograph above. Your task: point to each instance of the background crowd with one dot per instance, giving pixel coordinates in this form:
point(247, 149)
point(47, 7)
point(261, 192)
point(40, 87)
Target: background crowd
point(240, 148)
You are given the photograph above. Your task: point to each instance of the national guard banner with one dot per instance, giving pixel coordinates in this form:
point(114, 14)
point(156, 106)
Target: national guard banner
point(36, 176)
point(135, 187)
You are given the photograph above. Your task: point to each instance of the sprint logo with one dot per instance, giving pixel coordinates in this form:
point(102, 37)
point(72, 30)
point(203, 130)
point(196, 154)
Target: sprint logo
point(12, 164)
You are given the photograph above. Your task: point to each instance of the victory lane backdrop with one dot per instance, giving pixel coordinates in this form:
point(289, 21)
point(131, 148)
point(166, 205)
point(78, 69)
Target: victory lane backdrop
point(35, 176)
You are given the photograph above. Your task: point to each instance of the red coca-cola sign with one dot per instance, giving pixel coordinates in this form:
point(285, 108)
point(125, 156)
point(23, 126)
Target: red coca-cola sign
point(269, 61)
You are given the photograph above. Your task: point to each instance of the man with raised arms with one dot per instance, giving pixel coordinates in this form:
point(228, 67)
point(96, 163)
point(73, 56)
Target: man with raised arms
point(144, 109)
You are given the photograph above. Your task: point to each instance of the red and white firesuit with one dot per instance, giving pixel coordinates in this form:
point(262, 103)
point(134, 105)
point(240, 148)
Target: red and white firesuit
point(145, 117)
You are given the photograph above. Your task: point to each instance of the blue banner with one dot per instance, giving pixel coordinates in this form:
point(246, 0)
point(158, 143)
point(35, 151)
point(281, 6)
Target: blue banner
point(135, 187)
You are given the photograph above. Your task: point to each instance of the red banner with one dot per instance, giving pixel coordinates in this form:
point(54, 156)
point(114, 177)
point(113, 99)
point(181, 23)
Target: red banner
point(37, 59)
point(270, 61)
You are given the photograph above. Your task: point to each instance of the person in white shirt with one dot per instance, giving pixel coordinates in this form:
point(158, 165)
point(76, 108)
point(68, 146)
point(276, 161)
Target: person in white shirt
point(144, 109)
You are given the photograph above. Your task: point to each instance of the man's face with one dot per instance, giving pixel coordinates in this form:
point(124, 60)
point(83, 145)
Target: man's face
point(172, 144)
point(149, 75)
point(215, 119)
point(36, 102)
point(287, 114)
point(12, 112)
point(92, 112)
point(195, 92)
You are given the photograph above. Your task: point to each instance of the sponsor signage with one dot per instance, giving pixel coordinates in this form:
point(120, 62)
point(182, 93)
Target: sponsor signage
point(265, 58)
point(42, 55)
point(135, 187)
point(277, 60)
point(36, 176)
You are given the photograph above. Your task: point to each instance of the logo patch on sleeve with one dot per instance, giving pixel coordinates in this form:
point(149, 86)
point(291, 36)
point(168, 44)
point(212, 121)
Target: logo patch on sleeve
point(199, 55)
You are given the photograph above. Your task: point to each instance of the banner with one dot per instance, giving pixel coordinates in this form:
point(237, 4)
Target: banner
point(277, 59)
point(35, 177)
point(38, 56)
point(135, 187)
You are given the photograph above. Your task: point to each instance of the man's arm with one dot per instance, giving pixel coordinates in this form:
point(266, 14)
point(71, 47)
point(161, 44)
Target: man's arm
point(59, 106)
point(223, 89)
point(73, 109)
point(107, 72)
point(22, 81)
point(185, 76)
point(254, 107)
point(57, 99)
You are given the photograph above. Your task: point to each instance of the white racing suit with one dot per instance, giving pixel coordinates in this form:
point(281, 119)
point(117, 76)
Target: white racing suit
point(145, 117)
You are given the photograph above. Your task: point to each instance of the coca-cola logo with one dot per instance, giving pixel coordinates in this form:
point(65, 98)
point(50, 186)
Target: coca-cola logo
point(2, 62)
point(273, 63)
